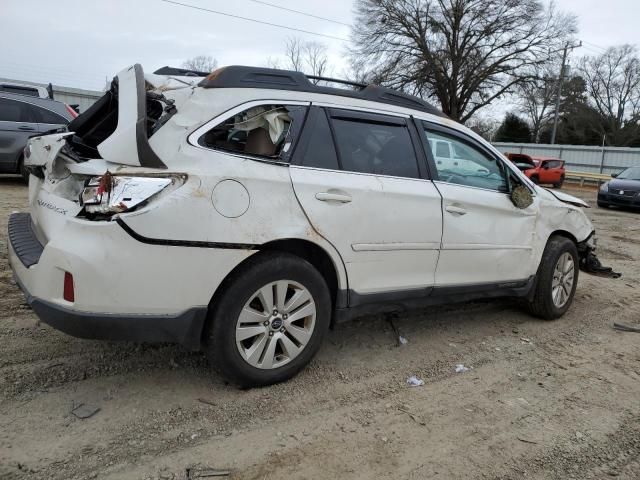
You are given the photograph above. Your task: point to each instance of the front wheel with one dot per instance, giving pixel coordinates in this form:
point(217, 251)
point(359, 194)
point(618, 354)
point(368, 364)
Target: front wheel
point(556, 279)
point(535, 179)
point(269, 321)
point(23, 171)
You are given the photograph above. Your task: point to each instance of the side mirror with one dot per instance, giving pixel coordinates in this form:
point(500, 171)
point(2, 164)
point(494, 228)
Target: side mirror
point(615, 174)
point(521, 196)
point(545, 166)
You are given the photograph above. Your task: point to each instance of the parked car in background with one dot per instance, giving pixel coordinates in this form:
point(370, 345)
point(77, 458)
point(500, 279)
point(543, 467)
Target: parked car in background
point(23, 115)
point(245, 211)
point(541, 170)
point(24, 89)
point(622, 191)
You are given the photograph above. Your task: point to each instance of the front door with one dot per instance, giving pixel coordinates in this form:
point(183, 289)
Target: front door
point(370, 199)
point(485, 239)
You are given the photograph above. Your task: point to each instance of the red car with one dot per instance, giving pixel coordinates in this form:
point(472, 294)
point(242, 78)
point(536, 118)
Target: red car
point(540, 169)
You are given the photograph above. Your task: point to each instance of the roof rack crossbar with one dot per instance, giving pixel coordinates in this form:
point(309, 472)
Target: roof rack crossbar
point(337, 80)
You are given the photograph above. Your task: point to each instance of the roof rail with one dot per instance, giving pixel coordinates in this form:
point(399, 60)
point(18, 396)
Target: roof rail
point(337, 80)
point(237, 76)
point(180, 72)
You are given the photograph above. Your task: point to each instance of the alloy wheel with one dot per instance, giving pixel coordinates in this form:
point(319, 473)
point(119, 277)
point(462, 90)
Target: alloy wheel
point(275, 324)
point(563, 276)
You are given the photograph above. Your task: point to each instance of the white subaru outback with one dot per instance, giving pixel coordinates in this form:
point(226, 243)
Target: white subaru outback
point(246, 210)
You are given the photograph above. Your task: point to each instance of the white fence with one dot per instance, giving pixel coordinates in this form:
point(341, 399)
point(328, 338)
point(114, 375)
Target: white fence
point(580, 158)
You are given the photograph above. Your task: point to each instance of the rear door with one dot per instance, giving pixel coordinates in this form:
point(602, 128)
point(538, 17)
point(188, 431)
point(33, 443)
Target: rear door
point(369, 195)
point(16, 126)
point(485, 238)
point(47, 119)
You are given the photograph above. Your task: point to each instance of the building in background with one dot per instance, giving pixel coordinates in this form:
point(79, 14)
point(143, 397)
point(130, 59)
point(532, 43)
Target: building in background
point(69, 95)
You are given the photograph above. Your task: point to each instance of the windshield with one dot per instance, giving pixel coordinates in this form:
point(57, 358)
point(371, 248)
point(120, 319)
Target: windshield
point(632, 173)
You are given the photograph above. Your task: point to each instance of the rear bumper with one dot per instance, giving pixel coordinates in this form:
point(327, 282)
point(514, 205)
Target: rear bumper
point(184, 328)
point(619, 200)
point(124, 289)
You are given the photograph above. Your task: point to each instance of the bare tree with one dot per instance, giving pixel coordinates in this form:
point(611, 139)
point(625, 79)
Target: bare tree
point(464, 53)
point(201, 63)
point(308, 57)
point(535, 95)
point(613, 86)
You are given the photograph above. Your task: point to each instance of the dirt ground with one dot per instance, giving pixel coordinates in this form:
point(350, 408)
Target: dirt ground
point(543, 400)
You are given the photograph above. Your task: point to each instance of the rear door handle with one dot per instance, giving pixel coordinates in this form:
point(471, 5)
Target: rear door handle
point(333, 197)
point(26, 127)
point(456, 210)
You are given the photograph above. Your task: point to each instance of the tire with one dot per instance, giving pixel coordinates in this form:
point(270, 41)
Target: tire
point(21, 170)
point(535, 179)
point(603, 205)
point(542, 303)
point(560, 183)
point(242, 294)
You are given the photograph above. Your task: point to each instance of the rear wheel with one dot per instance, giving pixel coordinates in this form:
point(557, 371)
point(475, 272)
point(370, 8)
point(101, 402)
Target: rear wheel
point(556, 280)
point(269, 321)
point(560, 183)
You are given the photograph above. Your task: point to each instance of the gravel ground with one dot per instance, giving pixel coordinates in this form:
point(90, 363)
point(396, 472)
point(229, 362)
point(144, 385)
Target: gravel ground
point(543, 400)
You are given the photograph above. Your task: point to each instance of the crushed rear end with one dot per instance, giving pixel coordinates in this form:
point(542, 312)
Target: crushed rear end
point(69, 252)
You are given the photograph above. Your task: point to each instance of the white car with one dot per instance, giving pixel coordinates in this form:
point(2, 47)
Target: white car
point(246, 211)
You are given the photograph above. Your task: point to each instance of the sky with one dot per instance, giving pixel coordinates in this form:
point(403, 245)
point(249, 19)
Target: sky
point(82, 43)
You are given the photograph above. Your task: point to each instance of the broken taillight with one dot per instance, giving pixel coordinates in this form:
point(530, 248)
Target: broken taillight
point(68, 293)
point(111, 194)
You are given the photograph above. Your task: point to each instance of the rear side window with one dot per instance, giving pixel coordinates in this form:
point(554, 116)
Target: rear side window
point(319, 151)
point(47, 116)
point(13, 111)
point(375, 147)
point(265, 131)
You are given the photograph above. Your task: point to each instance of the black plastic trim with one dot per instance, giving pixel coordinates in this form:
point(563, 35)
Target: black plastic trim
point(23, 239)
point(184, 243)
point(388, 302)
point(146, 155)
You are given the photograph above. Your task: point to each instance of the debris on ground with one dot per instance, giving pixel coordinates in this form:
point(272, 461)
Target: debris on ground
point(625, 328)
point(400, 339)
point(83, 411)
point(413, 416)
point(414, 381)
point(460, 368)
point(205, 472)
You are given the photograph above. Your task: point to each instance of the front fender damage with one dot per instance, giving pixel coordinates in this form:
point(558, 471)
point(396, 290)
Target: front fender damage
point(589, 262)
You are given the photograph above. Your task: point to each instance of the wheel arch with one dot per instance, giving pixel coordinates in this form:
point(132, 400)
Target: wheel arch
point(306, 250)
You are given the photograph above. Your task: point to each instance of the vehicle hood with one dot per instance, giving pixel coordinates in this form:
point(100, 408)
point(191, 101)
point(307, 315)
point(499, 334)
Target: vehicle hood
point(566, 198)
point(622, 184)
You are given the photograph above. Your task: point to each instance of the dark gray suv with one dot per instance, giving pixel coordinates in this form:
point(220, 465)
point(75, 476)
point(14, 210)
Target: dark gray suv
point(21, 117)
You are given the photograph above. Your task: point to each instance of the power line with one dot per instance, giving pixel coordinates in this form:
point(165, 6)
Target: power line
point(594, 45)
point(300, 13)
point(254, 20)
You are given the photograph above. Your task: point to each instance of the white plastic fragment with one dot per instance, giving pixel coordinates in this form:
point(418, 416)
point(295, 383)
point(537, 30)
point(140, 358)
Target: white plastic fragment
point(402, 340)
point(414, 381)
point(460, 368)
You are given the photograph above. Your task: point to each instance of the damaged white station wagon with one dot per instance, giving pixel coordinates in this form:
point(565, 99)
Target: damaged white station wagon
point(245, 210)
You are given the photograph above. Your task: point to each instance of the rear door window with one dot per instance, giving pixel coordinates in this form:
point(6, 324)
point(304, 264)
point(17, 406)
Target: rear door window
point(14, 111)
point(374, 144)
point(47, 116)
point(316, 144)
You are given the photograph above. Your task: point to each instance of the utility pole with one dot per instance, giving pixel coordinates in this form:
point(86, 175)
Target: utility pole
point(561, 79)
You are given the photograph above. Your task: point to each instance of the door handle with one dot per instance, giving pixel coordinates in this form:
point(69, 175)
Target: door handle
point(333, 197)
point(456, 210)
point(26, 127)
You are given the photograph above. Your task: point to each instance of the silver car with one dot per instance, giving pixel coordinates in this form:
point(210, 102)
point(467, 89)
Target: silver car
point(23, 116)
